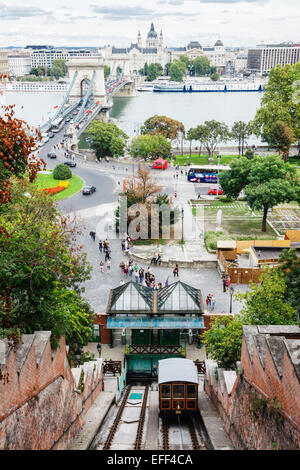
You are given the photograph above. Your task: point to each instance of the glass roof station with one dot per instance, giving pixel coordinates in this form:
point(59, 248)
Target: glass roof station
point(176, 306)
point(153, 324)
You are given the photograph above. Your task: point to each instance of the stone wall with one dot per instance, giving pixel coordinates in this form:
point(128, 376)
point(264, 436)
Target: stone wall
point(260, 402)
point(42, 400)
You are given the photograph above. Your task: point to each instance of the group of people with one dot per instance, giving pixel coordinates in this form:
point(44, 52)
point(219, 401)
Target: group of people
point(105, 248)
point(211, 301)
point(141, 276)
point(226, 282)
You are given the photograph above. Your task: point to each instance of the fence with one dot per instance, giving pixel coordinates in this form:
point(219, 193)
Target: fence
point(154, 349)
point(239, 275)
point(112, 367)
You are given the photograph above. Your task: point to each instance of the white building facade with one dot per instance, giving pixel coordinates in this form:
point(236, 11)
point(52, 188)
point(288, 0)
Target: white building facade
point(19, 64)
point(264, 58)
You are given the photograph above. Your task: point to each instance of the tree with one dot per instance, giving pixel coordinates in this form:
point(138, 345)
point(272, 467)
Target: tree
point(59, 68)
point(267, 181)
point(191, 135)
point(151, 146)
point(281, 138)
point(224, 341)
point(202, 66)
point(106, 71)
point(280, 102)
point(152, 73)
point(176, 71)
point(264, 304)
point(200, 134)
point(107, 139)
point(16, 141)
point(290, 268)
point(240, 132)
point(215, 133)
point(168, 127)
point(215, 77)
point(41, 267)
point(62, 172)
point(145, 187)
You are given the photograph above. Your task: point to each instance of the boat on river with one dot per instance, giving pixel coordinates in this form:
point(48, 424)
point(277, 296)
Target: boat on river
point(208, 87)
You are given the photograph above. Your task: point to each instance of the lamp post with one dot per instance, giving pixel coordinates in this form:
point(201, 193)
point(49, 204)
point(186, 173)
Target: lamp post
point(182, 215)
point(78, 354)
point(99, 349)
point(231, 289)
point(219, 158)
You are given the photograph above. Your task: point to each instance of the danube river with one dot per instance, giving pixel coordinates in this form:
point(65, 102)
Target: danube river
point(190, 108)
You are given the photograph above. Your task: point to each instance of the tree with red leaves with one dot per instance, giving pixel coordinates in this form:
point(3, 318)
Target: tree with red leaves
point(16, 141)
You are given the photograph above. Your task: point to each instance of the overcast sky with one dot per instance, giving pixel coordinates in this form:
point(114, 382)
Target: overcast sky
point(116, 22)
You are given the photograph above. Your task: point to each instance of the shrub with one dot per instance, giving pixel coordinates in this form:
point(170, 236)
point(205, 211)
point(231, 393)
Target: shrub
point(62, 172)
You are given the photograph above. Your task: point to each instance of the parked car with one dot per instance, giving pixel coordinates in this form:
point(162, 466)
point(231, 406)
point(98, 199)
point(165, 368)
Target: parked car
point(51, 155)
point(88, 190)
point(70, 163)
point(213, 191)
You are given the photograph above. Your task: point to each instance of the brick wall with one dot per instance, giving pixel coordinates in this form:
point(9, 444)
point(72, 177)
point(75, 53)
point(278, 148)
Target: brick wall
point(40, 404)
point(260, 405)
point(101, 319)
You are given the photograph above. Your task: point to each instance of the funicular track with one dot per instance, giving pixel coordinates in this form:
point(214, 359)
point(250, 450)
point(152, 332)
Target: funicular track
point(185, 430)
point(119, 418)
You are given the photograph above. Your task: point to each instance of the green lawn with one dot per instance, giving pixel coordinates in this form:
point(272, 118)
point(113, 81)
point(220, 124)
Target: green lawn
point(202, 159)
point(47, 181)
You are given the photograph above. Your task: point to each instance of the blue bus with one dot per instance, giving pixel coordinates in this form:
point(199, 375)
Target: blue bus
point(205, 173)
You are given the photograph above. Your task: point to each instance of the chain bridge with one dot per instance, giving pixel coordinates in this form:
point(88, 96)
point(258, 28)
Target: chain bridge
point(89, 93)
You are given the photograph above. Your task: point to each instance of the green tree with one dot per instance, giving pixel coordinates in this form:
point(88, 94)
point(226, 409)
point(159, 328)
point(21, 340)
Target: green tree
point(240, 132)
point(151, 146)
point(107, 139)
point(264, 304)
point(215, 133)
point(176, 71)
point(191, 135)
point(168, 127)
point(106, 71)
point(152, 73)
point(281, 138)
point(280, 102)
point(267, 181)
point(223, 341)
point(41, 268)
point(62, 172)
point(290, 268)
point(59, 68)
point(215, 77)
point(202, 66)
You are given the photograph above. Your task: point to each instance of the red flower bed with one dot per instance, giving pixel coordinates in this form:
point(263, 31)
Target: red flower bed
point(55, 190)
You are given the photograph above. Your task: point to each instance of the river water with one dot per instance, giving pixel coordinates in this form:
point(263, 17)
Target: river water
point(189, 108)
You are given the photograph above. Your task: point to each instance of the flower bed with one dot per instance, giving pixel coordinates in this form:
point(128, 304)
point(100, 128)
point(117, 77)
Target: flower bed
point(57, 189)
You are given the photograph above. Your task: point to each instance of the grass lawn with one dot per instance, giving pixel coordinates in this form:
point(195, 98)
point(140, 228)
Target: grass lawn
point(203, 159)
point(47, 181)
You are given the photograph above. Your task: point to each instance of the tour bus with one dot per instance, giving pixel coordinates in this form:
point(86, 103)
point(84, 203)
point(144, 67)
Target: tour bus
point(205, 173)
point(57, 124)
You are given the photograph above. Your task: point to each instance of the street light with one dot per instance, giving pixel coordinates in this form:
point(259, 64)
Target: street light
point(99, 349)
point(78, 354)
point(182, 215)
point(231, 289)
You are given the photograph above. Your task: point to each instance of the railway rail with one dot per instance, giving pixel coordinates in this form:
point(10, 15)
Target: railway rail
point(126, 420)
point(182, 433)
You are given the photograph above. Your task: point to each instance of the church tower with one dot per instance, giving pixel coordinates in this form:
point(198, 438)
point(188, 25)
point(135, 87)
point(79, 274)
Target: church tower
point(139, 40)
point(152, 39)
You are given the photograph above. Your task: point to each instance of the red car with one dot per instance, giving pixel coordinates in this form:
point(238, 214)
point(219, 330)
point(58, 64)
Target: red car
point(213, 191)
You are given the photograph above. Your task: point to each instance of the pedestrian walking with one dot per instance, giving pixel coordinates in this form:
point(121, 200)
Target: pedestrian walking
point(136, 277)
point(199, 195)
point(208, 300)
point(213, 302)
point(141, 275)
point(175, 194)
point(228, 281)
point(101, 267)
point(167, 282)
point(108, 264)
point(130, 270)
point(100, 246)
point(92, 235)
point(224, 284)
point(176, 271)
point(99, 348)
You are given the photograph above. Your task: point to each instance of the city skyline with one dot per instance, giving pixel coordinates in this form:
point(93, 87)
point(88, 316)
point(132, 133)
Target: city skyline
point(237, 23)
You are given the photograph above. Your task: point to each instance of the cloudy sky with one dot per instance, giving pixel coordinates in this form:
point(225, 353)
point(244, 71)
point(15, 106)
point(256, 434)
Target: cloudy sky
point(96, 23)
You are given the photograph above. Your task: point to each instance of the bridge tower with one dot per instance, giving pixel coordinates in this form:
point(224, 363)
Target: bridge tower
point(87, 68)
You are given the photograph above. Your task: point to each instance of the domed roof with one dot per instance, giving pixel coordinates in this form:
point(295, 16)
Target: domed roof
point(152, 32)
point(219, 43)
